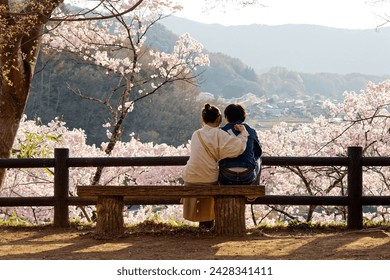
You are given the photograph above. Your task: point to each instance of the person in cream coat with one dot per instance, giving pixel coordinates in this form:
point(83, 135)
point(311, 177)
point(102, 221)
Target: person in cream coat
point(209, 145)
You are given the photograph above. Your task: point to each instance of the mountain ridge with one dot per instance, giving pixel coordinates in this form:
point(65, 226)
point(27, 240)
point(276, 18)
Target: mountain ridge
point(297, 47)
point(276, 94)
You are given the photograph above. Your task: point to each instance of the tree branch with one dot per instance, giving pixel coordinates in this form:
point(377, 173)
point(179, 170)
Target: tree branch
point(103, 17)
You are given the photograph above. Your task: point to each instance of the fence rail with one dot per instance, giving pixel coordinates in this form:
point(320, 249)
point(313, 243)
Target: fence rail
point(62, 162)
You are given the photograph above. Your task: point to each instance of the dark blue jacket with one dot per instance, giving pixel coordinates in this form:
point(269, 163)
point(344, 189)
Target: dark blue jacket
point(252, 152)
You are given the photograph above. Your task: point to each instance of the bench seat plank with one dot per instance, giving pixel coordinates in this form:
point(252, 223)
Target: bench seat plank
point(229, 203)
point(171, 191)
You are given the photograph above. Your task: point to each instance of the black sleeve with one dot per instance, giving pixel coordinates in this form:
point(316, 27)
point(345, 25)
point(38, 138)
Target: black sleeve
point(257, 147)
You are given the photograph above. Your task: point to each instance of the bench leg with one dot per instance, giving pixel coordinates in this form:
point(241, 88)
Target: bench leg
point(230, 215)
point(109, 223)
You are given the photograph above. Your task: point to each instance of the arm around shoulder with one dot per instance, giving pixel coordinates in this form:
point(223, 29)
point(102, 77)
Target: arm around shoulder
point(232, 146)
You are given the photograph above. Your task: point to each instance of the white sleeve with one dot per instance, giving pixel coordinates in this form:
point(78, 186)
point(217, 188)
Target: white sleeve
point(231, 146)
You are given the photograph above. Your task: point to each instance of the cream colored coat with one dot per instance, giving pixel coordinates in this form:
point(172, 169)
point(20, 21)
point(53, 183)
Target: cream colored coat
point(202, 169)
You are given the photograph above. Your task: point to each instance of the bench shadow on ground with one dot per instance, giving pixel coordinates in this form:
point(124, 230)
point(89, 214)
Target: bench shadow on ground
point(159, 244)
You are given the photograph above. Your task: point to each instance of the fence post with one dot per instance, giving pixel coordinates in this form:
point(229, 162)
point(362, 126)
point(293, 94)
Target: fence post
point(355, 188)
point(61, 188)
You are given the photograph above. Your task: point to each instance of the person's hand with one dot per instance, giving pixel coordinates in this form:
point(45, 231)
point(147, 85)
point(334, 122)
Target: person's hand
point(239, 127)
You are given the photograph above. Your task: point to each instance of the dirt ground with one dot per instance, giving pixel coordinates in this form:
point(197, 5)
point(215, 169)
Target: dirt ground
point(165, 243)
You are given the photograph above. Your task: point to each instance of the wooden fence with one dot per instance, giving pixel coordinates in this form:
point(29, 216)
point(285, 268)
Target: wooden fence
point(62, 162)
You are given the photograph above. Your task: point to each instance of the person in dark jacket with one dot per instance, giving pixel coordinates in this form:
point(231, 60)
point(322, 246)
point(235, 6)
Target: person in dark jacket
point(244, 169)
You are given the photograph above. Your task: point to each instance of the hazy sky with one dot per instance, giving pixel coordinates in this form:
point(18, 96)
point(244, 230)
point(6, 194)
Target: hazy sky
point(351, 14)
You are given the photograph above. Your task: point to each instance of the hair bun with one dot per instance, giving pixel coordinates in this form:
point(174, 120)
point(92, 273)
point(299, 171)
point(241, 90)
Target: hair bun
point(207, 106)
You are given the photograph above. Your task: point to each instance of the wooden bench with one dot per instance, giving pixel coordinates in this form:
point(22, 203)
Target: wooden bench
point(229, 203)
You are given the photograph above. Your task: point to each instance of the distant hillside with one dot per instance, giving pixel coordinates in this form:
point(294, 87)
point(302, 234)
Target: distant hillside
point(154, 119)
point(301, 48)
point(176, 110)
point(173, 111)
point(286, 84)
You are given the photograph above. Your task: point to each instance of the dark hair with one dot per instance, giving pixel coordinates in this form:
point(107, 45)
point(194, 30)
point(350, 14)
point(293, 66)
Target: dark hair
point(210, 113)
point(235, 113)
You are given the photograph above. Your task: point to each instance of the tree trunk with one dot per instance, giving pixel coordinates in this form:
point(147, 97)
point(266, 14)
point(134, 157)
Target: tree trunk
point(230, 215)
point(20, 39)
point(109, 223)
point(13, 98)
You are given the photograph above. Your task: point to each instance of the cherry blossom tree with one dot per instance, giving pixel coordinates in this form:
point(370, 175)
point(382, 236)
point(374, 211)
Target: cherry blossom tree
point(21, 27)
point(380, 8)
point(117, 45)
point(362, 119)
point(22, 24)
point(36, 140)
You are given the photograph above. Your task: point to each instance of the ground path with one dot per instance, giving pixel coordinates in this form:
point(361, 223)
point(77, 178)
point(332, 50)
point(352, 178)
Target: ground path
point(161, 242)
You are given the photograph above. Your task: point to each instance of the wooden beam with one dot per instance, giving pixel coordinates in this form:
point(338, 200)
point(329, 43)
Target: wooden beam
point(171, 191)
